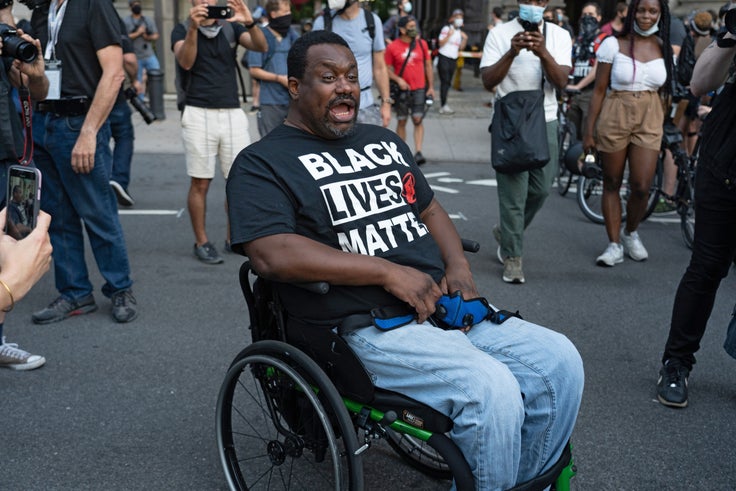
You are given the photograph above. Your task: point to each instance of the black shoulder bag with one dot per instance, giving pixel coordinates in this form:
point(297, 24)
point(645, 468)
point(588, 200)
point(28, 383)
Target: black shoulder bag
point(395, 91)
point(519, 131)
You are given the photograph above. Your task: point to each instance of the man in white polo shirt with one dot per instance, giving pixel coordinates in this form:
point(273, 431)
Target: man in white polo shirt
point(516, 56)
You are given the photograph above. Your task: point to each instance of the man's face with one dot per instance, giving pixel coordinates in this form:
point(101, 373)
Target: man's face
point(17, 195)
point(590, 10)
point(284, 9)
point(329, 94)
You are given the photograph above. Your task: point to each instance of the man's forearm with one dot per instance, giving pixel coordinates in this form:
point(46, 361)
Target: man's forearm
point(380, 74)
point(711, 68)
point(494, 74)
point(105, 95)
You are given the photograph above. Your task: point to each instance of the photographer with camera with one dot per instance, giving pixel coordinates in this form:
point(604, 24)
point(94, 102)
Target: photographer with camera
point(714, 246)
point(22, 263)
point(142, 32)
point(84, 63)
point(524, 55)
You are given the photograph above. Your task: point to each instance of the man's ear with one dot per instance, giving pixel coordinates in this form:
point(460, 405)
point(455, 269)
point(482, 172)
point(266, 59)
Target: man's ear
point(293, 88)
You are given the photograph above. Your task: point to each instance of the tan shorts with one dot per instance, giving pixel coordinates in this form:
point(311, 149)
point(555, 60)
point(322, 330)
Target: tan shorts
point(209, 134)
point(634, 118)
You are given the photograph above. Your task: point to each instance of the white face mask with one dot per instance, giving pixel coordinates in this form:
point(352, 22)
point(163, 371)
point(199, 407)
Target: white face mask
point(336, 4)
point(649, 31)
point(458, 22)
point(407, 7)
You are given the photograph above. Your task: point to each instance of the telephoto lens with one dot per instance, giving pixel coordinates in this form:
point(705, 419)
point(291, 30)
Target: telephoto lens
point(142, 109)
point(15, 47)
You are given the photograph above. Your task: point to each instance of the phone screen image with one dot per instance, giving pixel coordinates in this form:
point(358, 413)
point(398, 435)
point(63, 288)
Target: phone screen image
point(23, 196)
point(219, 12)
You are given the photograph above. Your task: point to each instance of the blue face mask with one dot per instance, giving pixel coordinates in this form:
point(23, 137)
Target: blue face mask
point(531, 13)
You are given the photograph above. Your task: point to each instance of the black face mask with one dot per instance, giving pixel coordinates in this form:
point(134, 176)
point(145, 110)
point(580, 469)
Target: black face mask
point(136, 9)
point(281, 24)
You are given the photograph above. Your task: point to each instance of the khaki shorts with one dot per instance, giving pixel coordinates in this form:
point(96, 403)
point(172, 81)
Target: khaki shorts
point(212, 133)
point(626, 118)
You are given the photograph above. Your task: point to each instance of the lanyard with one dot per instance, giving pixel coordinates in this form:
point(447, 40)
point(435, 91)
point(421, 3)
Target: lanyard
point(56, 17)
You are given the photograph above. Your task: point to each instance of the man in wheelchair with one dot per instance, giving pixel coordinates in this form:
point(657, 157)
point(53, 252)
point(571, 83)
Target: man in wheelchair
point(322, 198)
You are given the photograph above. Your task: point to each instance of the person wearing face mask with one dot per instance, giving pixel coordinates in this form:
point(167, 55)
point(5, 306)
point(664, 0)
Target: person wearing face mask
point(584, 49)
point(391, 26)
point(270, 67)
point(143, 32)
point(525, 54)
point(213, 124)
point(452, 40)
point(410, 65)
point(617, 23)
point(625, 120)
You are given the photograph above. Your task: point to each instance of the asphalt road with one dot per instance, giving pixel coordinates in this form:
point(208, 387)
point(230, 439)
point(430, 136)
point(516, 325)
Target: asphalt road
point(129, 407)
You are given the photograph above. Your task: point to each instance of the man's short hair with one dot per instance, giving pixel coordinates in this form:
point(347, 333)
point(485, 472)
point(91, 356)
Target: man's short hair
point(296, 60)
point(274, 5)
point(594, 5)
point(498, 12)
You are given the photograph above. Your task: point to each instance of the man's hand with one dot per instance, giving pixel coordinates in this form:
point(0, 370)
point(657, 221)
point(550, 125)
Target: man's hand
point(35, 69)
point(83, 153)
point(415, 288)
point(533, 41)
point(197, 15)
point(385, 114)
point(241, 12)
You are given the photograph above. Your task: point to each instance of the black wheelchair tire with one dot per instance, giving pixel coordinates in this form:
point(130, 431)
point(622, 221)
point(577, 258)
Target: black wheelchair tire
point(270, 441)
point(419, 455)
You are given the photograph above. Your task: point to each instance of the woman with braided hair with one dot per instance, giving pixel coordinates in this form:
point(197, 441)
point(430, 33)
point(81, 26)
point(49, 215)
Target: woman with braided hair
point(625, 123)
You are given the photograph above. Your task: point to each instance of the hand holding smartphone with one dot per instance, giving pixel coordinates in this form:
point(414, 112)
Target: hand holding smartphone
point(219, 12)
point(23, 197)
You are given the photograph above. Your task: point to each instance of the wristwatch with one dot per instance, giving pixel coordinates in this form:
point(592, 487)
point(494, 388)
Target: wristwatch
point(387, 100)
point(251, 25)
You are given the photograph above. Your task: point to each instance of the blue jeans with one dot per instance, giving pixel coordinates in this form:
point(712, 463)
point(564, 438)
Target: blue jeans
point(121, 129)
point(513, 391)
point(147, 64)
point(74, 199)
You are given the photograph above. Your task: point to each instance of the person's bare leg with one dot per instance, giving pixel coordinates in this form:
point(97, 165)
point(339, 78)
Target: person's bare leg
point(642, 165)
point(613, 165)
point(197, 205)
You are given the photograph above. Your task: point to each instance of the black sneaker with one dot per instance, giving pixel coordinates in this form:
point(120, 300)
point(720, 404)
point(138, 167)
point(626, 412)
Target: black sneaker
point(124, 306)
point(419, 158)
point(62, 308)
point(207, 253)
point(672, 384)
point(124, 199)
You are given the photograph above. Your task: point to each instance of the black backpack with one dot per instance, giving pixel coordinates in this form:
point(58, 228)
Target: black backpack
point(686, 61)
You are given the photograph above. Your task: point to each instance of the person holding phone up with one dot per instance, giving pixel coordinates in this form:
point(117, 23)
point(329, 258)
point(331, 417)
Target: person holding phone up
point(212, 121)
point(22, 263)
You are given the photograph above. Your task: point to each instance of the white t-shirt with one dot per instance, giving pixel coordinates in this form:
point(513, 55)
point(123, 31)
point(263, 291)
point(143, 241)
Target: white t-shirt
point(647, 76)
point(525, 72)
point(451, 48)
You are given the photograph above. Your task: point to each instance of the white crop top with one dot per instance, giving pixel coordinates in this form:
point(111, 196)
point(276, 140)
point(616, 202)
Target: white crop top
point(648, 76)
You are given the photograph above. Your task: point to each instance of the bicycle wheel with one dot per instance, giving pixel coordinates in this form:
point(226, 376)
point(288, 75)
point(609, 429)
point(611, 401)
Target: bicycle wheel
point(282, 425)
point(419, 454)
point(654, 189)
point(686, 209)
point(590, 197)
point(564, 176)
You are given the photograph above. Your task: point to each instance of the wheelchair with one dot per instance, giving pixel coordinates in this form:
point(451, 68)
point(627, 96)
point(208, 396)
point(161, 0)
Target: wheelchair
point(297, 410)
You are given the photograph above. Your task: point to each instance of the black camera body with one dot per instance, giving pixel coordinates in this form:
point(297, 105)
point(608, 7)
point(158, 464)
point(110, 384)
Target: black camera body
point(142, 109)
point(14, 46)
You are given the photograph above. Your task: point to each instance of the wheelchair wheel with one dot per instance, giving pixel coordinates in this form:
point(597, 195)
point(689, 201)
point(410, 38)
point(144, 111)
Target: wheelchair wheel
point(282, 425)
point(418, 454)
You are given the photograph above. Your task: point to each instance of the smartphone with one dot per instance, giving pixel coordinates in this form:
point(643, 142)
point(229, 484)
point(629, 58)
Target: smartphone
point(23, 200)
point(219, 12)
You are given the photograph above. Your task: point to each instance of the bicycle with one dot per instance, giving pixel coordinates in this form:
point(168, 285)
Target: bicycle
point(684, 197)
point(295, 401)
point(567, 142)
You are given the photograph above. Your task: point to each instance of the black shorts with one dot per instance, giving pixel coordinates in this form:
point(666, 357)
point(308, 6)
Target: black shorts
point(412, 101)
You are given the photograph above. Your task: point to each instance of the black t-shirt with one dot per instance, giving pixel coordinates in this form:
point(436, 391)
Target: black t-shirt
point(88, 26)
point(718, 144)
point(361, 194)
point(211, 81)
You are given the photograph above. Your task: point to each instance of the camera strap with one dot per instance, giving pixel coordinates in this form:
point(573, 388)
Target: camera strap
point(24, 96)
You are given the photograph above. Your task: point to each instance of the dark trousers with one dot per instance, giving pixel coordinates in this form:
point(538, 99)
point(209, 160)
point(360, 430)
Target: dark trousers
point(446, 69)
point(713, 251)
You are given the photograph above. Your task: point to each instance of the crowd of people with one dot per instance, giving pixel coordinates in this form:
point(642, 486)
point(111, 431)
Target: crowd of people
point(316, 112)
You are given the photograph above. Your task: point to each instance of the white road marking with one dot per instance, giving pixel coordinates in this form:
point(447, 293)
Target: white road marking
point(150, 212)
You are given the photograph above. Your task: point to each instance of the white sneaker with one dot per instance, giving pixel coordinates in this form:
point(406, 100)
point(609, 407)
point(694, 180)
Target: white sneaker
point(614, 254)
point(446, 110)
point(633, 246)
point(16, 359)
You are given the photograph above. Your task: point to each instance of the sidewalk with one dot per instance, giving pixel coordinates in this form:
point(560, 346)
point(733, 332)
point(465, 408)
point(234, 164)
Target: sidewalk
point(461, 137)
